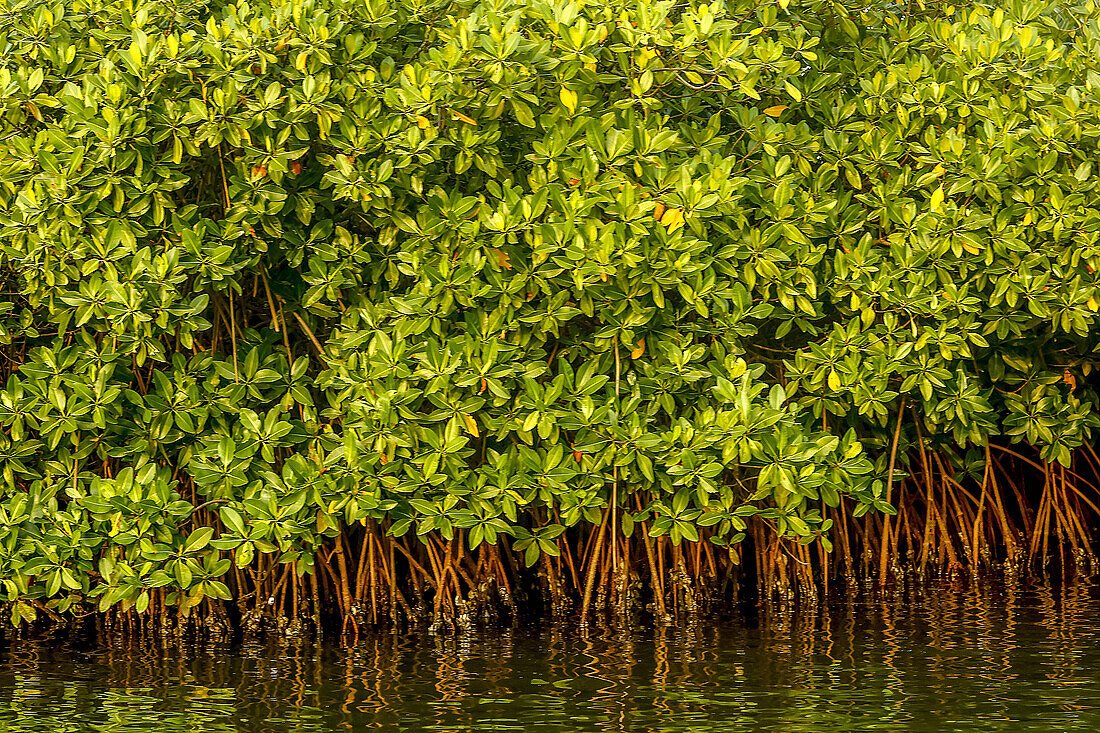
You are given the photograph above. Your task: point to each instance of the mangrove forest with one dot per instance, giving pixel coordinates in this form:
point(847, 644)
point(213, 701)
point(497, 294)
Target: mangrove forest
point(353, 314)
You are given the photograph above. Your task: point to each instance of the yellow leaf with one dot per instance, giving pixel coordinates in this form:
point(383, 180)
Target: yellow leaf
point(937, 199)
point(301, 61)
point(756, 31)
point(784, 3)
point(569, 99)
point(464, 118)
point(422, 122)
point(638, 351)
point(471, 425)
point(796, 95)
point(938, 170)
point(971, 248)
point(658, 211)
point(1093, 305)
point(673, 218)
point(776, 110)
point(834, 380)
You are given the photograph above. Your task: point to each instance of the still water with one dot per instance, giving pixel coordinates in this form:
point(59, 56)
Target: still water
point(958, 658)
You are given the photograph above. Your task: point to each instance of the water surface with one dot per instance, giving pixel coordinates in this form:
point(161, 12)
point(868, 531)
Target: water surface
point(962, 657)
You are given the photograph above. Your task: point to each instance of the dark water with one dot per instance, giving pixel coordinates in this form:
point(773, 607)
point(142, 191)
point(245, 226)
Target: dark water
point(961, 658)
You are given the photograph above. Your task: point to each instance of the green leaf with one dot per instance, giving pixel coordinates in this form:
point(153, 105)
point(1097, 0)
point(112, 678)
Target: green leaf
point(198, 539)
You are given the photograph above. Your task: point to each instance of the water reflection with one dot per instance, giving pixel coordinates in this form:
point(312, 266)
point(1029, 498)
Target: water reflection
point(969, 656)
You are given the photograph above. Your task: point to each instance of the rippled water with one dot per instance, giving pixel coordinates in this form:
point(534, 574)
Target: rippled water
point(962, 658)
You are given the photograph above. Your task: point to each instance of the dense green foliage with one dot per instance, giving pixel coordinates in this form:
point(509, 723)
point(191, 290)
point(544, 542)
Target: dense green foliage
point(491, 270)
